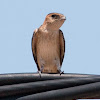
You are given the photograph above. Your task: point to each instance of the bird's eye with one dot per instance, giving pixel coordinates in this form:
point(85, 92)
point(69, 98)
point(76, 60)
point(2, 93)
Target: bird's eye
point(53, 16)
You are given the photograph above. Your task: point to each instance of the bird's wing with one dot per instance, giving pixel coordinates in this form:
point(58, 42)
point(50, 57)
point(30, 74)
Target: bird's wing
point(62, 46)
point(34, 41)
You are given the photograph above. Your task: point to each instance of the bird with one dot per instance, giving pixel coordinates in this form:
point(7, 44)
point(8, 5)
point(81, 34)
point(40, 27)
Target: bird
point(48, 44)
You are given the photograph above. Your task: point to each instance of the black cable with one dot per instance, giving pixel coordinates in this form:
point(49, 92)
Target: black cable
point(78, 92)
point(42, 86)
point(16, 78)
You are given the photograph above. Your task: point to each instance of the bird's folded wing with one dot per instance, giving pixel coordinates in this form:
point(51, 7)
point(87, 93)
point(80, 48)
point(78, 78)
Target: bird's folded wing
point(62, 46)
point(34, 41)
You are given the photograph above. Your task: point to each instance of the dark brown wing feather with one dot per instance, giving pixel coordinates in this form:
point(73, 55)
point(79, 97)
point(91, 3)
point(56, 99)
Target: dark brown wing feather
point(34, 41)
point(62, 46)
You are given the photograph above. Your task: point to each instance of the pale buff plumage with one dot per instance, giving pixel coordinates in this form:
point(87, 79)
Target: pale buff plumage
point(48, 44)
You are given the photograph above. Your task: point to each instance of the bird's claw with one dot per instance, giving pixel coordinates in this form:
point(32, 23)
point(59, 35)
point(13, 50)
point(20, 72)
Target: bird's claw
point(61, 72)
point(39, 73)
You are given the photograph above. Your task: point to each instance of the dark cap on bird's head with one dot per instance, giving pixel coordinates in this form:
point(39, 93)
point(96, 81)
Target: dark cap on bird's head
point(54, 20)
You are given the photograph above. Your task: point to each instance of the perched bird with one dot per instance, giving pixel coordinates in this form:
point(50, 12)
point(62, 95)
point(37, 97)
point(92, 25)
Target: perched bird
point(48, 44)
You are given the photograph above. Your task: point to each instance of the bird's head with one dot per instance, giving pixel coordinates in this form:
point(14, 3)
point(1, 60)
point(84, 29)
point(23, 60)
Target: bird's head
point(54, 21)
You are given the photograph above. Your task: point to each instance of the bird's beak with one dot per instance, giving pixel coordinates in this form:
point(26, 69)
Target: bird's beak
point(63, 18)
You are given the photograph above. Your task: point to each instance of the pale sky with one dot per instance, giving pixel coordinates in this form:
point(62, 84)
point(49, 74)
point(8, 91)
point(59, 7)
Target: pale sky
point(19, 18)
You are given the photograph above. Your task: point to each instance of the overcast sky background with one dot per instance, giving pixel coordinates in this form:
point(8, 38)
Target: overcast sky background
point(19, 18)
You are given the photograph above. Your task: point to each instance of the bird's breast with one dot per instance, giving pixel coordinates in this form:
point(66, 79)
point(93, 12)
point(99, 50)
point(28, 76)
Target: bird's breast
point(48, 46)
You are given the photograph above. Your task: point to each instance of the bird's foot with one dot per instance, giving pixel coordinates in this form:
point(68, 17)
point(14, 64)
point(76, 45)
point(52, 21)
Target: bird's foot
point(39, 73)
point(61, 72)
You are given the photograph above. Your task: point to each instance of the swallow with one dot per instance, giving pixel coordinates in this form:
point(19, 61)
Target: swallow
point(48, 44)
